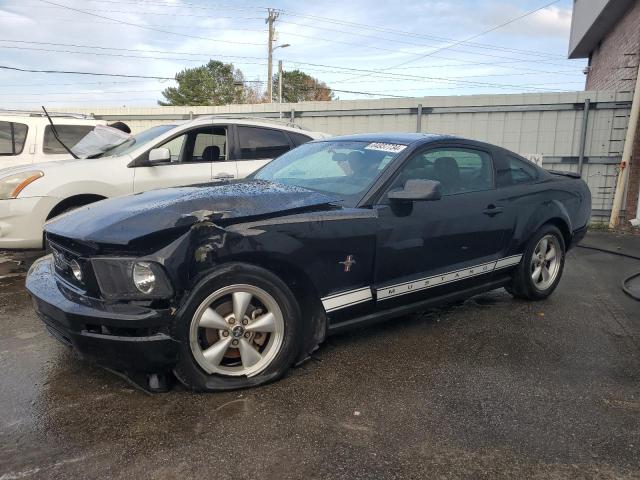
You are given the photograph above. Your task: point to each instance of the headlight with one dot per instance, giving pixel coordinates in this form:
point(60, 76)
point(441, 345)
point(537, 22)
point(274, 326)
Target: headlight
point(11, 186)
point(143, 277)
point(130, 279)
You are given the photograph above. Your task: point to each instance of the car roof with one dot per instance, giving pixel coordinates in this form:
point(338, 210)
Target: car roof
point(394, 137)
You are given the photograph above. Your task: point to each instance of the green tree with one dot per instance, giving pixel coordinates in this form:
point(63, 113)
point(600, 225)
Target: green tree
point(215, 83)
point(297, 86)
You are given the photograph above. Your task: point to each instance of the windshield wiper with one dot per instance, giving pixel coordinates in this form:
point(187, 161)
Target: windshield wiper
point(55, 134)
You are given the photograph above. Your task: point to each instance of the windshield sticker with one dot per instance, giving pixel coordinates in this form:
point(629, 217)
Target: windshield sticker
point(386, 147)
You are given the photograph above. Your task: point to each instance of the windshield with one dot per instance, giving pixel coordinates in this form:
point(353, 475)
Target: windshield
point(135, 141)
point(342, 168)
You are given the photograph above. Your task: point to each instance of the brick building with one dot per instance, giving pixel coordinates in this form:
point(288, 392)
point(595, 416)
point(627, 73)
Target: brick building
point(607, 32)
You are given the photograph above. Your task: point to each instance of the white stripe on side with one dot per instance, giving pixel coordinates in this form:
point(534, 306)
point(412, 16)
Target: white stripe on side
point(508, 261)
point(361, 295)
point(347, 299)
point(444, 278)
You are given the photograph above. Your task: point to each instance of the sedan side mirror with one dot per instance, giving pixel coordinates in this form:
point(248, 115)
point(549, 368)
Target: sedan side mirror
point(159, 155)
point(417, 190)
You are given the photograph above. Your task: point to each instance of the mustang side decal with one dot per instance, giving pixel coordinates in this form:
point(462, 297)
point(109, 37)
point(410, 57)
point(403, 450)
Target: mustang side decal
point(360, 295)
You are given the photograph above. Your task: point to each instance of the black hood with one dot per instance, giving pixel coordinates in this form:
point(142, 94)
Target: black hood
point(118, 221)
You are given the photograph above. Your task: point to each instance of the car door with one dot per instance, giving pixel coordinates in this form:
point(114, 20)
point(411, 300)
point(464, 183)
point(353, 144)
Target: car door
point(427, 244)
point(197, 155)
point(258, 146)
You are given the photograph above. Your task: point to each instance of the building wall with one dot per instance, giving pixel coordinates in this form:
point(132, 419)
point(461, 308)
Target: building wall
point(614, 66)
point(614, 62)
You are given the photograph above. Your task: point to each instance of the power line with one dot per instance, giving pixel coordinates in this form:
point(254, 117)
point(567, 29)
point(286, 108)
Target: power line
point(468, 38)
point(484, 32)
point(430, 37)
point(326, 20)
point(145, 27)
point(5, 67)
point(388, 74)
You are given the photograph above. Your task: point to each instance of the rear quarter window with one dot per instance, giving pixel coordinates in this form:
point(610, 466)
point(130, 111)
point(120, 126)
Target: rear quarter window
point(69, 134)
point(521, 171)
point(12, 138)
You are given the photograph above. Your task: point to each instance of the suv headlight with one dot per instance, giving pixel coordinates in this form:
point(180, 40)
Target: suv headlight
point(12, 185)
point(131, 279)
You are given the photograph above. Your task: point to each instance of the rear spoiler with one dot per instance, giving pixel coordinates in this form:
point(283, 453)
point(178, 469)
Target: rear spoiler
point(565, 174)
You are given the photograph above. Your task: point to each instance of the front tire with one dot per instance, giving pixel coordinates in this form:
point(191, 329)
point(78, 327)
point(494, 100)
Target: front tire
point(539, 272)
point(239, 329)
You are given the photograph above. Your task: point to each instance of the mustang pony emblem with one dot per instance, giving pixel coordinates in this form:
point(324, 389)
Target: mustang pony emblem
point(348, 262)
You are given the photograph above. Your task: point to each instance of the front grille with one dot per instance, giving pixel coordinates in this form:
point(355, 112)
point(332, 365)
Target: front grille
point(63, 258)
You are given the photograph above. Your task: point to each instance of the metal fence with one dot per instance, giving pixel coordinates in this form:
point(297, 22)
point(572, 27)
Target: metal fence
point(564, 131)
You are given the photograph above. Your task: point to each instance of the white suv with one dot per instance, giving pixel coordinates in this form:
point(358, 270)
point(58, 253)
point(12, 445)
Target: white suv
point(199, 151)
point(26, 137)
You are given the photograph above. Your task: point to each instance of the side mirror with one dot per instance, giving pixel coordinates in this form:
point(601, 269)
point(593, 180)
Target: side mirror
point(417, 190)
point(159, 155)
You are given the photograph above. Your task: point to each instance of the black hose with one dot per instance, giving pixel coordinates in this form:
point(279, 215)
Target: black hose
point(625, 288)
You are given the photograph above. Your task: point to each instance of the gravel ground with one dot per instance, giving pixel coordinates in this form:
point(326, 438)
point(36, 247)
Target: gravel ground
point(492, 388)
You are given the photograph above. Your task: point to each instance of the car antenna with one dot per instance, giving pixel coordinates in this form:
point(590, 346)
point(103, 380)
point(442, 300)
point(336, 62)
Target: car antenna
point(55, 134)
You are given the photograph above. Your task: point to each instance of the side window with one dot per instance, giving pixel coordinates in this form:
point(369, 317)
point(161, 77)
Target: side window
point(257, 143)
point(206, 144)
point(12, 138)
point(459, 170)
point(298, 138)
point(521, 171)
point(69, 134)
point(175, 147)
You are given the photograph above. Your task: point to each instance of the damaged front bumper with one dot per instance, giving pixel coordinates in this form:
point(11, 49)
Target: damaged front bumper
point(125, 337)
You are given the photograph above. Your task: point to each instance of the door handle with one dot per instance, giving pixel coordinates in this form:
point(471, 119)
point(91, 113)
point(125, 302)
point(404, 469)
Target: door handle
point(492, 210)
point(224, 176)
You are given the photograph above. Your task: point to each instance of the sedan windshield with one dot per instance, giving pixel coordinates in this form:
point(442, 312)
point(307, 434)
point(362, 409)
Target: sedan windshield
point(342, 168)
point(135, 141)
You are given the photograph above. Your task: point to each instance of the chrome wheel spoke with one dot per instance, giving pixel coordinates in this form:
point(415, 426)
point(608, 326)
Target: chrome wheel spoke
point(535, 276)
point(248, 354)
point(215, 352)
point(241, 301)
point(543, 245)
point(212, 319)
point(264, 323)
point(551, 254)
point(545, 274)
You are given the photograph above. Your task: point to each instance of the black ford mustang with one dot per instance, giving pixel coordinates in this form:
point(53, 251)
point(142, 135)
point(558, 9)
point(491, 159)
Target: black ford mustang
point(229, 284)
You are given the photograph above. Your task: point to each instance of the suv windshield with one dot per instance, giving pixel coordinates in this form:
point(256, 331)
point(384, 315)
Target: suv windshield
point(342, 168)
point(135, 141)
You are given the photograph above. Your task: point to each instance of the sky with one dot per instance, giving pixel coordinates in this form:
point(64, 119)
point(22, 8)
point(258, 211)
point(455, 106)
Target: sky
point(362, 49)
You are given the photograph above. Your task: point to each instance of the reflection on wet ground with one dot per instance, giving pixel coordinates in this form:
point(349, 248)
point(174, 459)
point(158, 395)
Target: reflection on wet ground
point(492, 387)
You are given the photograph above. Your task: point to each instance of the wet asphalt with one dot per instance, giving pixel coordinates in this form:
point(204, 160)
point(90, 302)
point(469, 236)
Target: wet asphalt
point(491, 388)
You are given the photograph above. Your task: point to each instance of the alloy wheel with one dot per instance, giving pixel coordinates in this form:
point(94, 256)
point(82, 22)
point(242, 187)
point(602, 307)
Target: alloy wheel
point(545, 262)
point(237, 331)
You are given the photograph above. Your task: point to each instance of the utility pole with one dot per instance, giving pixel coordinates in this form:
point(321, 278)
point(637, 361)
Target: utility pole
point(273, 15)
point(280, 86)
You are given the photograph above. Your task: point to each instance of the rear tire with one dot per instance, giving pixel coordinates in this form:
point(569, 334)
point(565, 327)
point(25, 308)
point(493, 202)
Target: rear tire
point(219, 352)
point(540, 270)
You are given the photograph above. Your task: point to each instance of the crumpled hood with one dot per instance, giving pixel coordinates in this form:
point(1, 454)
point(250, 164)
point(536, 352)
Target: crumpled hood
point(118, 221)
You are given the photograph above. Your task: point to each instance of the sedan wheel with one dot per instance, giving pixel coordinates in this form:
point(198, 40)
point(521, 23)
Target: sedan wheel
point(237, 331)
point(539, 272)
point(545, 262)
